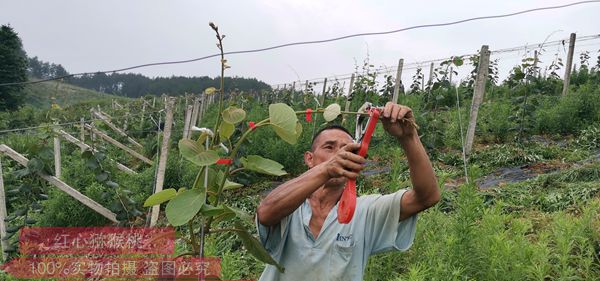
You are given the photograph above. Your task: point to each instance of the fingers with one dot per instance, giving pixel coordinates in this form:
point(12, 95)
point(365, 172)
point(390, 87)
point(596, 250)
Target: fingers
point(350, 165)
point(347, 174)
point(395, 112)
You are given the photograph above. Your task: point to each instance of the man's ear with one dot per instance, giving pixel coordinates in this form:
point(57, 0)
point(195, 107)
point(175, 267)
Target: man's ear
point(308, 159)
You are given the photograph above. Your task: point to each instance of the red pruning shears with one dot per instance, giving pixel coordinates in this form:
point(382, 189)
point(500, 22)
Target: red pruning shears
point(364, 130)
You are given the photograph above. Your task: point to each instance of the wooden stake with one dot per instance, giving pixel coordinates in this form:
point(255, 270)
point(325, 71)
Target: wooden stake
point(85, 147)
point(195, 111)
point(202, 110)
point(119, 145)
point(162, 162)
point(143, 112)
point(478, 92)
point(569, 65)
point(106, 121)
point(430, 75)
point(57, 160)
point(126, 121)
point(398, 81)
point(82, 131)
point(61, 185)
point(3, 213)
point(188, 120)
point(324, 92)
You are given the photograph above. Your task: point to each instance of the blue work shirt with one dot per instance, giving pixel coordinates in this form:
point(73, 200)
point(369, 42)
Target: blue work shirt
point(341, 251)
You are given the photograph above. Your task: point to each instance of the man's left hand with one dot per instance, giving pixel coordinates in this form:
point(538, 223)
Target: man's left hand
point(398, 121)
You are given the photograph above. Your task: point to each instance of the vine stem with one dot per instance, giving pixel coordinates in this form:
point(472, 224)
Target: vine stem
point(233, 154)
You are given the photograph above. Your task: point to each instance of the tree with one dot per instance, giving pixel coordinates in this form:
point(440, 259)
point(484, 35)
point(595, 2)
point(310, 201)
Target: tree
point(13, 68)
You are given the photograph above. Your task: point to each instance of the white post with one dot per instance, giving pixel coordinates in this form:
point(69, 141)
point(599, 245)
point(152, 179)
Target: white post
point(186, 123)
point(398, 81)
point(430, 75)
point(478, 92)
point(195, 111)
point(82, 131)
point(126, 121)
point(162, 162)
point(143, 112)
point(3, 213)
point(57, 160)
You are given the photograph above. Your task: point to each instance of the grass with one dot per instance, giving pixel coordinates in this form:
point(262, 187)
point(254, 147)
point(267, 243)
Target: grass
point(42, 95)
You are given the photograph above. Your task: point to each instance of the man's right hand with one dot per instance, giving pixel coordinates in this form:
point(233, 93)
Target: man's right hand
point(345, 163)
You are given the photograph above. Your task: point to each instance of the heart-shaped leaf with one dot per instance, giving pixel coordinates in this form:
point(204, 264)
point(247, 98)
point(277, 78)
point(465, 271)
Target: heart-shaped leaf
point(194, 153)
point(185, 206)
point(160, 197)
point(233, 115)
point(263, 165)
point(210, 90)
point(226, 130)
point(331, 112)
point(283, 119)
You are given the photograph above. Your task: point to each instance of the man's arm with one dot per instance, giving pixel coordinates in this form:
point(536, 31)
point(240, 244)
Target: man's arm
point(286, 198)
point(425, 192)
point(398, 121)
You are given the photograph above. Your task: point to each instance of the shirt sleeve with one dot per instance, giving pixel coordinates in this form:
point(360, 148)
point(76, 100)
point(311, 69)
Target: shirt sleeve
point(384, 230)
point(273, 237)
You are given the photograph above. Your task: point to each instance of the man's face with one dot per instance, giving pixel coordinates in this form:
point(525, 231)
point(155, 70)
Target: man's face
point(325, 147)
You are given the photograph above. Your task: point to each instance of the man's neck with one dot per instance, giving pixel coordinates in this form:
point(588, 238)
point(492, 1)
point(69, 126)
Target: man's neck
point(326, 197)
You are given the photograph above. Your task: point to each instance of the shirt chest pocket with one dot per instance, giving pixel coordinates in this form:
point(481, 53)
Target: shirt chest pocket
point(343, 250)
point(341, 266)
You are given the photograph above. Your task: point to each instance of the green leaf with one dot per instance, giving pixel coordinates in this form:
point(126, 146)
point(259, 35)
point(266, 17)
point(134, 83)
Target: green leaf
point(283, 119)
point(233, 115)
point(194, 153)
point(160, 197)
point(231, 185)
point(210, 90)
point(185, 206)
point(458, 61)
point(92, 163)
point(263, 165)
point(112, 184)
point(226, 130)
point(101, 177)
point(255, 247)
point(288, 136)
point(35, 165)
point(87, 154)
point(239, 213)
point(331, 112)
point(210, 211)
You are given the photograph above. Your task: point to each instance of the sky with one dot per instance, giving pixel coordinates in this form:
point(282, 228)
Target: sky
point(89, 36)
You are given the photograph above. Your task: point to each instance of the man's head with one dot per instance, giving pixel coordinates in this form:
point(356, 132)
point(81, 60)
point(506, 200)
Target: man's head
point(326, 143)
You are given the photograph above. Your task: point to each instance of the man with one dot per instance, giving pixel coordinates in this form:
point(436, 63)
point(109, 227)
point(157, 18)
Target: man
point(297, 222)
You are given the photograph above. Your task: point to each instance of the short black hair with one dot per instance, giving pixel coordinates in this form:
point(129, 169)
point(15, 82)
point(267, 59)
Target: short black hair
point(329, 127)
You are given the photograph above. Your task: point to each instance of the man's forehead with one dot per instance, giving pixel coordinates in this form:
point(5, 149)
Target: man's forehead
point(333, 135)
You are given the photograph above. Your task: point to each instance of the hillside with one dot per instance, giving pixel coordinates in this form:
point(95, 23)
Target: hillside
point(41, 95)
